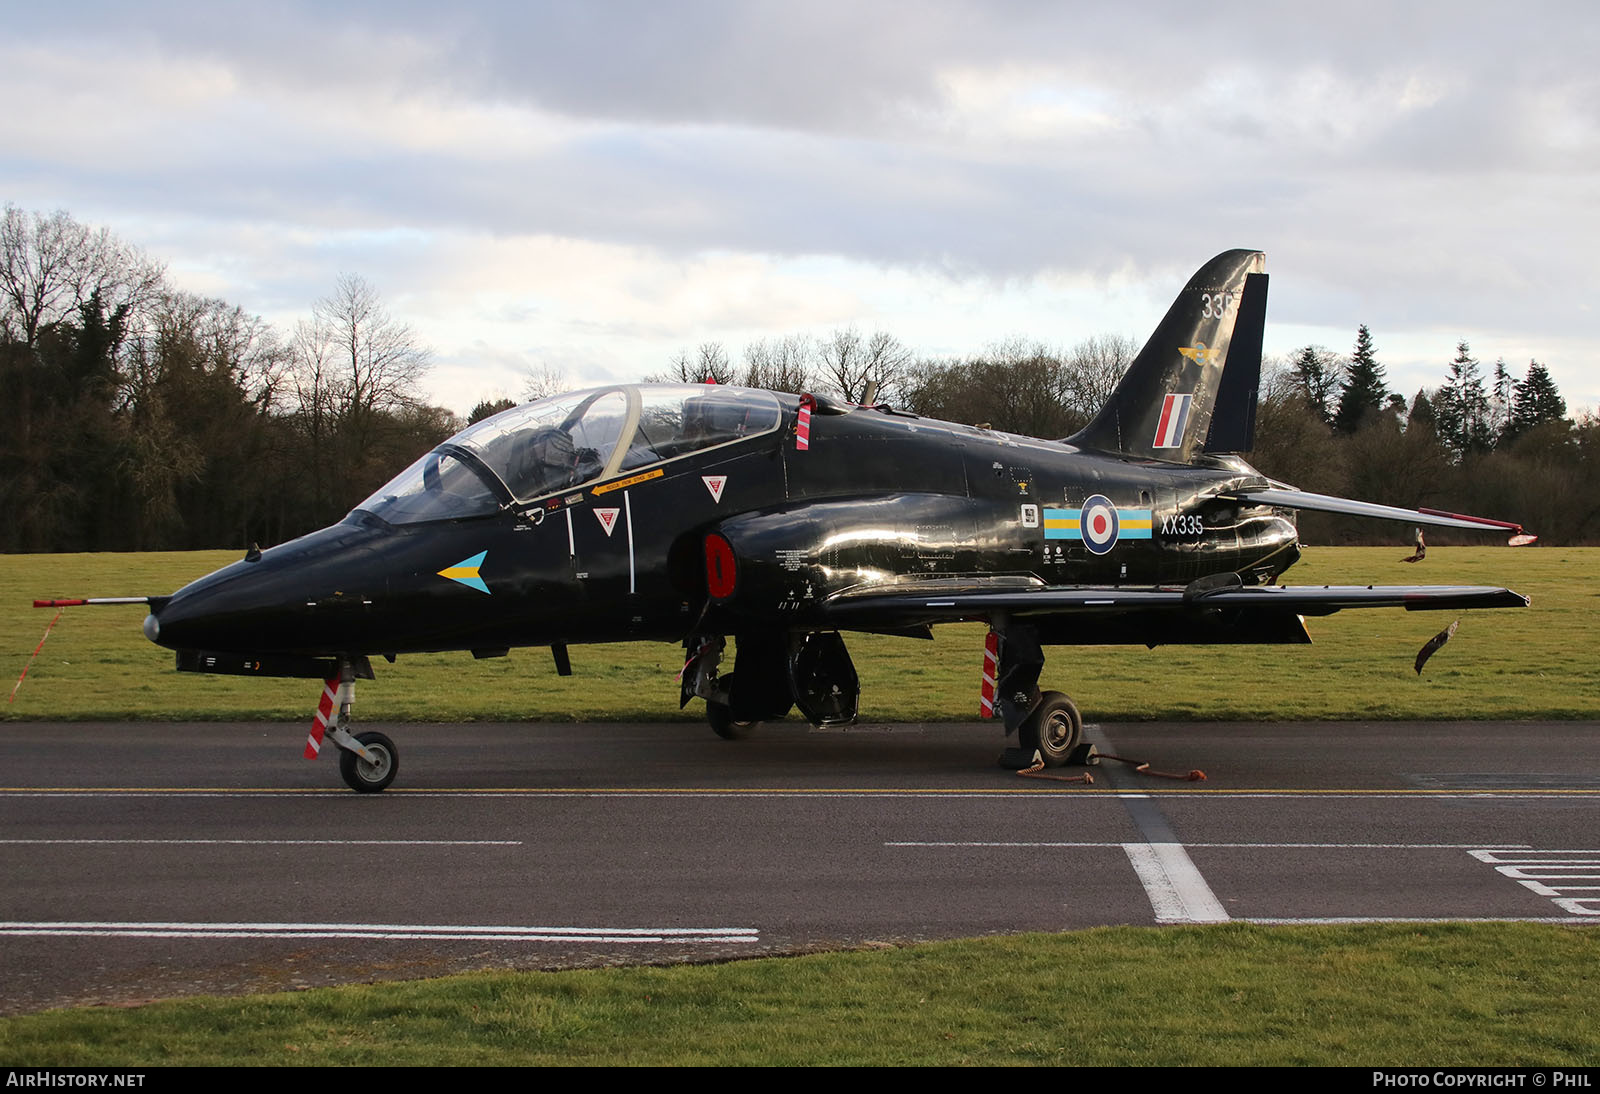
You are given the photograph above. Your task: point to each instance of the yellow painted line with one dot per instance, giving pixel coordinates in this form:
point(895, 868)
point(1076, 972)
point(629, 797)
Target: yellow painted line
point(631, 480)
point(568, 791)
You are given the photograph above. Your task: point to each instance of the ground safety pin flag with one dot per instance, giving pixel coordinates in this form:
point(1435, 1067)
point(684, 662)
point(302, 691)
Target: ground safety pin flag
point(802, 426)
point(991, 660)
point(319, 724)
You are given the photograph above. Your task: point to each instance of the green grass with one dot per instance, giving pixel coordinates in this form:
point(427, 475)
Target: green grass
point(1439, 995)
point(1523, 664)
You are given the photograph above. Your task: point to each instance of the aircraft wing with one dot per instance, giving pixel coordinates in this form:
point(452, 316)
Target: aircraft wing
point(916, 606)
point(1325, 503)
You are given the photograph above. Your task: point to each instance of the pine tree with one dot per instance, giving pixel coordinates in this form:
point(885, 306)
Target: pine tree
point(1462, 406)
point(1536, 401)
point(1501, 394)
point(1364, 392)
point(1422, 413)
point(1316, 372)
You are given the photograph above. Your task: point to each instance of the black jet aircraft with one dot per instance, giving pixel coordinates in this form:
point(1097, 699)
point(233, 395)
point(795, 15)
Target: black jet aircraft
point(696, 513)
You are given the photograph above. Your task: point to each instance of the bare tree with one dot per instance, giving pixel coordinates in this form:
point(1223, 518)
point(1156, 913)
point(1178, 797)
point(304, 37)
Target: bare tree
point(1093, 368)
point(852, 364)
point(543, 380)
point(779, 364)
point(52, 265)
point(355, 374)
point(707, 364)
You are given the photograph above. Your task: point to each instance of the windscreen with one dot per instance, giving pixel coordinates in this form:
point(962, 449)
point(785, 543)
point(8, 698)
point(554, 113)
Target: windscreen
point(440, 486)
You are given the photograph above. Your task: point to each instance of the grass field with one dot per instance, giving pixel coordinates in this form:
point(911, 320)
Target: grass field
point(1484, 994)
point(1488, 994)
point(1521, 664)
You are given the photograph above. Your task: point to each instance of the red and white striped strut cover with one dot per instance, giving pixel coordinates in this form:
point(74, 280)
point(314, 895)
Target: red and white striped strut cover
point(319, 724)
point(802, 426)
point(991, 660)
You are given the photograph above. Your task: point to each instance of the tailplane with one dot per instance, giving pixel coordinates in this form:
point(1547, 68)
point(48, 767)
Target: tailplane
point(1192, 389)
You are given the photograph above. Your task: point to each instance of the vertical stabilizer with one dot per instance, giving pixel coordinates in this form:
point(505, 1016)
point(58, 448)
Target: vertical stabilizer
point(1163, 407)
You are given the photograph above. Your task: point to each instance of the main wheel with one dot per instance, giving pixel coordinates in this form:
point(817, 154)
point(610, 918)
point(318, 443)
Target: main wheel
point(1054, 728)
point(723, 723)
point(370, 776)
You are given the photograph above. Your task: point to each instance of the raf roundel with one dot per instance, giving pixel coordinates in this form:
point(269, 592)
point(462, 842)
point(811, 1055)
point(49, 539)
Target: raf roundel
point(1099, 524)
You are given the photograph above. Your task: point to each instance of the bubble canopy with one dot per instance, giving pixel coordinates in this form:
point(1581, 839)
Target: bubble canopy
point(567, 441)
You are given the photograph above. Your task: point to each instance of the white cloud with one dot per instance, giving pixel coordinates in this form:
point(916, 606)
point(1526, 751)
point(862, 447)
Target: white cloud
point(605, 184)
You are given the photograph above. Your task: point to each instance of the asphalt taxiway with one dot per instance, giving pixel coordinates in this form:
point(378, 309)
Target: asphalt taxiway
point(150, 860)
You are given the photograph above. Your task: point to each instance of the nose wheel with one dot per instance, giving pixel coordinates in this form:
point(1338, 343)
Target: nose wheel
point(370, 773)
point(368, 762)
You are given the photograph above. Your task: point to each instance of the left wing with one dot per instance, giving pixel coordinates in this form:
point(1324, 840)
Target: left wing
point(919, 605)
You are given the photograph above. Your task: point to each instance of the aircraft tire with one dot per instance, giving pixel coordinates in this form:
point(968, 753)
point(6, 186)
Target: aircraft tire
point(365, 777)
point(1054, 728)
point(723, 723)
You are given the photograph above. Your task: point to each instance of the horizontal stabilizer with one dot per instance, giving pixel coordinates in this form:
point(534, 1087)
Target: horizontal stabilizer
point(1324, 503)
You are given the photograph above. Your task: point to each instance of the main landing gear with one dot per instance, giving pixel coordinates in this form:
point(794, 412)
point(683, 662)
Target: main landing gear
point(369, 761)
point(1047, 724)
point(776, 673)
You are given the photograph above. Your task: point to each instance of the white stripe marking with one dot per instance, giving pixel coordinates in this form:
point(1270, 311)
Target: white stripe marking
point(399, 932)
point(291, 842)
point(1176, 890)
point(627, 515)
point(572, 547)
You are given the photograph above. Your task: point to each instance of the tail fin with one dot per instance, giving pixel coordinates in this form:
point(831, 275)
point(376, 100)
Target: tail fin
point(1163, 407)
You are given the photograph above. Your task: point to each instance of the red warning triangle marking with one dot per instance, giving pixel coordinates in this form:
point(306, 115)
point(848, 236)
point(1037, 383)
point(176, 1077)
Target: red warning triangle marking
point(608, 519)
point(715, 483)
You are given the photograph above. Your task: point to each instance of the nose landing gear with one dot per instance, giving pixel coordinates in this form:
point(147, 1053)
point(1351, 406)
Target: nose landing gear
point(369, 761)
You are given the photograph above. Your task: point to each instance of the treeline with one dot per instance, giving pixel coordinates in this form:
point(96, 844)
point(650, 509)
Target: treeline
point(1502, 447)
point(136, 417)
point(1499, 446)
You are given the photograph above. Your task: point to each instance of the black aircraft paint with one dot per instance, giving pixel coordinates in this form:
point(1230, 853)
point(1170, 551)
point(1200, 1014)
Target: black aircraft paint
point(697, 513)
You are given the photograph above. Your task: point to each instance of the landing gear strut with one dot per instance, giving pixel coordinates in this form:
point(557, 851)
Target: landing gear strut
point(1047, 724)
point(777, 672)
point(369, 761)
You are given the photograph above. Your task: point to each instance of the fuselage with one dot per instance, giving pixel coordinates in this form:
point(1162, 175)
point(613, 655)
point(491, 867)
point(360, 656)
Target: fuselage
point(644, 512)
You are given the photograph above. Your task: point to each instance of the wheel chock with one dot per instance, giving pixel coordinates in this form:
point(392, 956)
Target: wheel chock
point(1085, 755)
point(1019, 759)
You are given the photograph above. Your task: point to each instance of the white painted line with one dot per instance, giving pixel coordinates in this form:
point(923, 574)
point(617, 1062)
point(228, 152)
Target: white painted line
point(386, 931)
point(1540, 872)
point(290, 842)
point(1176, 890)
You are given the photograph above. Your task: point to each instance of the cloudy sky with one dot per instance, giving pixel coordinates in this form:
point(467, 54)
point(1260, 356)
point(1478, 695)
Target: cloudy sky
point(595, 186)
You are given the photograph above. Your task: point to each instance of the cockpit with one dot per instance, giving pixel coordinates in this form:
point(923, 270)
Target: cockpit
point(544, 448)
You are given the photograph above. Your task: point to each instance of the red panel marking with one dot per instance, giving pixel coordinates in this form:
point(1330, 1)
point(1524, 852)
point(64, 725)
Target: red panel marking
point(721, 567)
